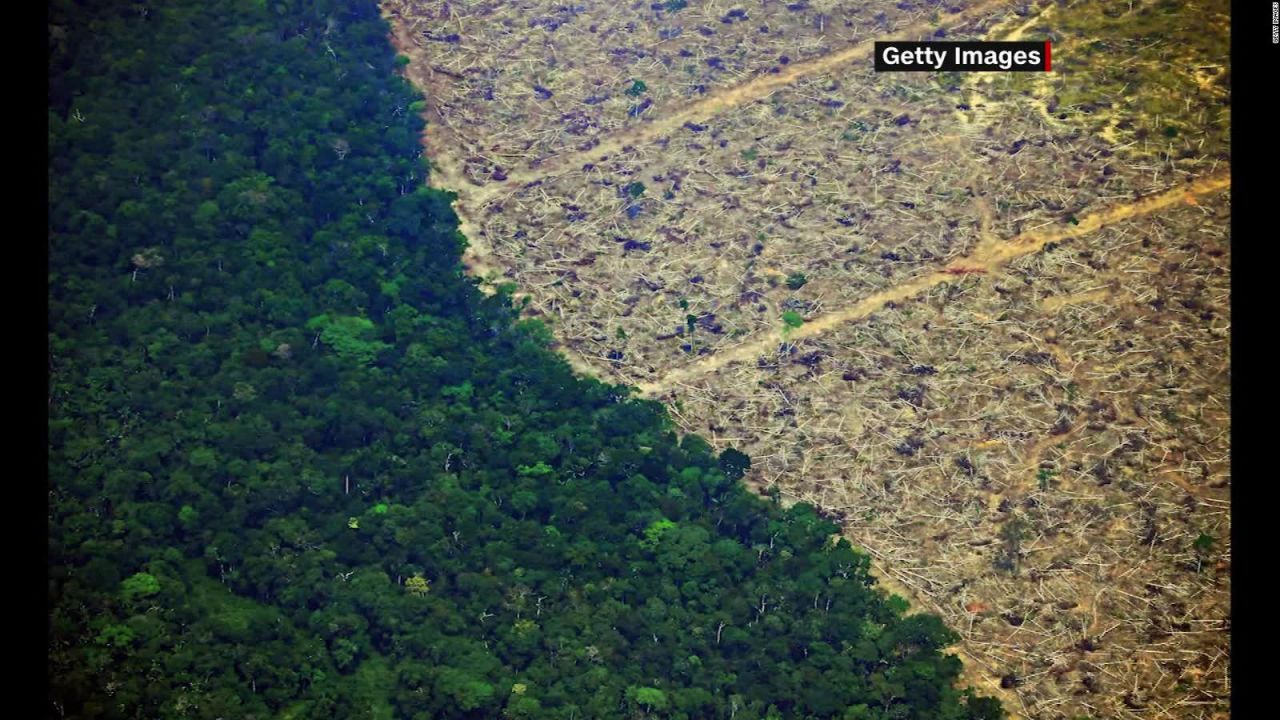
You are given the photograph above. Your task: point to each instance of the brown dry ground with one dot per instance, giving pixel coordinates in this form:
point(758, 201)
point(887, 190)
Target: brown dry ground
point(1012, 380)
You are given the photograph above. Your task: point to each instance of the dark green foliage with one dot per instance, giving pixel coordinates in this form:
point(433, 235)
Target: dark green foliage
point(637, 88)
point(300, 467)
point(797, 280)
point(734, 464)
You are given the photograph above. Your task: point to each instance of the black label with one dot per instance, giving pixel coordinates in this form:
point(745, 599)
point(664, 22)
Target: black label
point(963, 56)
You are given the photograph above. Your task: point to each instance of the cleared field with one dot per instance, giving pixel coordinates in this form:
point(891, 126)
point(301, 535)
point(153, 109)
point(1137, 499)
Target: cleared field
point(717, 223)
point(1040, 454)
point(516, 83)
point(983, 319)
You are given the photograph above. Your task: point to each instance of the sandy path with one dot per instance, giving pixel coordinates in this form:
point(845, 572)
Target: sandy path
point(988, 258)
point(719, 101)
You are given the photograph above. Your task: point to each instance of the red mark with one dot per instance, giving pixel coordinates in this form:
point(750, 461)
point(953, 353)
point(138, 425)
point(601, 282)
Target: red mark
point(1048, 56)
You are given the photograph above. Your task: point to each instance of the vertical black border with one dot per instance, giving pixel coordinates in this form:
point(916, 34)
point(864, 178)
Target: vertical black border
point(1255, 69)
point(28, 507)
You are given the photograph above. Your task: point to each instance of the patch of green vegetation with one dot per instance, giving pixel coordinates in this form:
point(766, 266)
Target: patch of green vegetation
point(854, 130)
point(797, 280)
point(949, 79)
point(907, 93)
point(140, 585)
point(637, 88)
point(635, 189)
point(350, 337)
point(792, 319)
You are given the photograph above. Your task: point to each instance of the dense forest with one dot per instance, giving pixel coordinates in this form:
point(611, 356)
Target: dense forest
point(300, 467)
